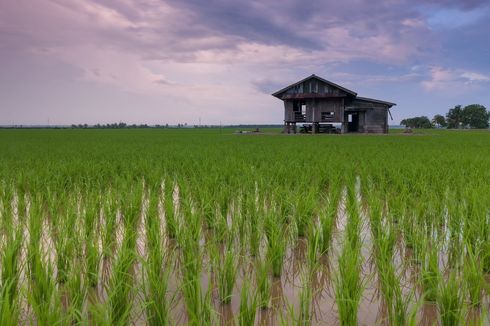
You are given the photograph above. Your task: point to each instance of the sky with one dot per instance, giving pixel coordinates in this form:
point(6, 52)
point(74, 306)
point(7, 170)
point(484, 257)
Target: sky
point(191, 61)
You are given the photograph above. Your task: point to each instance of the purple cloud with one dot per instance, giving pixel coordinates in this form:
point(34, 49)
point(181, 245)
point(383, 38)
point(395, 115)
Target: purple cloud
point(189, 54)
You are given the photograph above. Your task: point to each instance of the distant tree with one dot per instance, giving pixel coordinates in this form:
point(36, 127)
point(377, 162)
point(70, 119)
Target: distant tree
point(439, 121)
point(417, 122)
point(475, 116)
point(454, 117)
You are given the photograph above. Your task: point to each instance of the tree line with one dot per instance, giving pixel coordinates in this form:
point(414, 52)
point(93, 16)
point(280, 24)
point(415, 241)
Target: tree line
point(474, 116)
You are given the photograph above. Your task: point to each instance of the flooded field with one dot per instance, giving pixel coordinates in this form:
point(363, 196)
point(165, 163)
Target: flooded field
point(206, 228)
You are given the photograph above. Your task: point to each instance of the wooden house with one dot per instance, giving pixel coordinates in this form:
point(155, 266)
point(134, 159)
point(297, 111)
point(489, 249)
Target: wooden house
point(318, 104)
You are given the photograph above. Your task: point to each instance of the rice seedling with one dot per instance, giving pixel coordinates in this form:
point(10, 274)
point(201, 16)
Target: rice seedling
point(120, 290)
point(314, 244)
point(450, 301)
point(305, 298)
point(157, 269)
point(43, 296)
point(248, 304)
point(430, 274)
point(276, 242)
point(10, 259)
point(348, 283)
point(263, 283)
point(170, 210)
point(226, 273)
point(9, 307)
point(473, 276)
point(76, 292)
point(327, 221)
point(304, 211)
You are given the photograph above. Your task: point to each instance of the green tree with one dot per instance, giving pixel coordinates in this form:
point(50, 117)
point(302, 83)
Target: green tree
point(417, 122)
point(439, 120)
point(454, 117)
point(475, 116)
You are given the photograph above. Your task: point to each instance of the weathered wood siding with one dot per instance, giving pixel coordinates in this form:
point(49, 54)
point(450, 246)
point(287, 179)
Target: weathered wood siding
point(315, 107)
point(288, 111)
point(376, 121)
point(314, 86)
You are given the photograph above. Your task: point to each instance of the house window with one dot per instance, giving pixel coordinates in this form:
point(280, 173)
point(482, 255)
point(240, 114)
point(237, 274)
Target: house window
point(306, 88)
point(329, 115)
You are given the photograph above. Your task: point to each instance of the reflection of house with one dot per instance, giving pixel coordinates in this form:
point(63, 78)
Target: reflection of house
point(318, 103)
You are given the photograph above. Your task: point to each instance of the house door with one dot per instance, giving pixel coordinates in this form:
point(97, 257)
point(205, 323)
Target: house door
point(353, 122)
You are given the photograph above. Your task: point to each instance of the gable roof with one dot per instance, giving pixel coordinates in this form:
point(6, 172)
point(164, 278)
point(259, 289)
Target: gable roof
point(348, 91)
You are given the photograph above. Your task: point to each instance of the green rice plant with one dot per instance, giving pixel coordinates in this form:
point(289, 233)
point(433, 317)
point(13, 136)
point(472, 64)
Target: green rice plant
point(10, 259)
point(304, 211)
point(9, 306)
point(485, 256)
point(348, 283)
point(42, 295)
point(473, 276)
point(170, 211)
point(226, 272)
point(254, 231)
point(352, 231)
point(247, 310)
point(389, 281)
point(276, 243)
point(327, 221)
point(305, 298)
point(64, 243)
point(156, 270)
point(93, 259)
point(348, 286)
point(450, 301)
point(263, 283)
point(430, 274)
point(120, 290)
point(220, 228)
point(400, 309)
point(109, 234)
point(76, 291)
point(314, 244)
point(198, 305)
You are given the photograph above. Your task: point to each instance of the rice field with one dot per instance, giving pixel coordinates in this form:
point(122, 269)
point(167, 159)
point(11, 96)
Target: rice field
point(204, 227)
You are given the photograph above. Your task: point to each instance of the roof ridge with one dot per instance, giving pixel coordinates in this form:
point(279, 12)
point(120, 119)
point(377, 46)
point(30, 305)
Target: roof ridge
point(319, 78)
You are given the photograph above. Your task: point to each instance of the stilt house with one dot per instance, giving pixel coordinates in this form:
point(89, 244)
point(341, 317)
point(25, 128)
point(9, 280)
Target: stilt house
point(318, 104)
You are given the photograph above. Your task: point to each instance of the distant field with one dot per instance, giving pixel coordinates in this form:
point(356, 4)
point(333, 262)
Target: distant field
point(204, 226)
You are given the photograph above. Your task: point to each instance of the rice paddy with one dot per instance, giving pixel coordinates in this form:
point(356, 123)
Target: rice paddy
point(204, 227)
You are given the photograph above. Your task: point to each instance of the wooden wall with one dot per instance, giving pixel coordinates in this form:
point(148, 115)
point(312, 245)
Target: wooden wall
point(376, 120)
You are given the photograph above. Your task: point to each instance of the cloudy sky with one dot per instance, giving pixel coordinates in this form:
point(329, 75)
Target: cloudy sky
point(171, 61)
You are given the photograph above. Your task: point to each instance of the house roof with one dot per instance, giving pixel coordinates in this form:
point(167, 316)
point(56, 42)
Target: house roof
point(348, 91)
point(366, 99)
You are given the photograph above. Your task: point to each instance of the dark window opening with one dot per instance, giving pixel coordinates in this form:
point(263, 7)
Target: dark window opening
point(327, 115)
